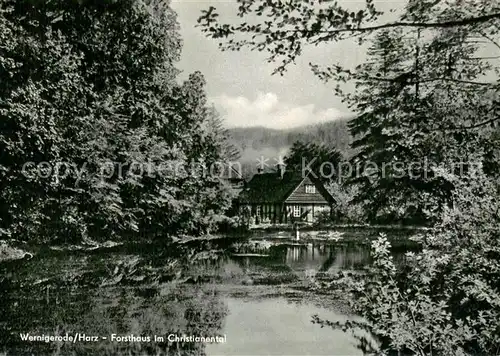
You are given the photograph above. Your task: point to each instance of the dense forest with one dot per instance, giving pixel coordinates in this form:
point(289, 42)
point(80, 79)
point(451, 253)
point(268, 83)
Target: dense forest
point(97, 135)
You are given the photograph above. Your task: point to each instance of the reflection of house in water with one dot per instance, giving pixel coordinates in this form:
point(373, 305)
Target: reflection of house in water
point(321, 258)
point(285, 259)
point(307, 257)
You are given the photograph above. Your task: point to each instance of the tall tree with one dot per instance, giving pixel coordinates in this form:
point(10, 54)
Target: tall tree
point(91, 86)
point(322, 161)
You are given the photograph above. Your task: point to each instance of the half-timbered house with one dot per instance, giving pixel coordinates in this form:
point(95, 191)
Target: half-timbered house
point(285, 197)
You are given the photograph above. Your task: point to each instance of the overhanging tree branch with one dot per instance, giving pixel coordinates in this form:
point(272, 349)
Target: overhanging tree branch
point(209, 22)
point(444, 24)
point(473, 126)
point(470, 127)
point(496, 44)
point(429, 80)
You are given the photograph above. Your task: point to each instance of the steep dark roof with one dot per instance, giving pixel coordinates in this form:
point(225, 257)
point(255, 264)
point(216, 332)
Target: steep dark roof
point(271, 188)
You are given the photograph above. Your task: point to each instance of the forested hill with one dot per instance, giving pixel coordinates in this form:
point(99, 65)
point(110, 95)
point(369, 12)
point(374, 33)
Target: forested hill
point(254, 142)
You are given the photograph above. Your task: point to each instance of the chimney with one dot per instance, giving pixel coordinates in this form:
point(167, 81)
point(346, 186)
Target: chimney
point(281, 170)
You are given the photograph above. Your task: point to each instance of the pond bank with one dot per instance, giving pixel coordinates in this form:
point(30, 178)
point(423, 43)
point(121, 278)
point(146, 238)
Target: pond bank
point(11, 250)
point(341, 227)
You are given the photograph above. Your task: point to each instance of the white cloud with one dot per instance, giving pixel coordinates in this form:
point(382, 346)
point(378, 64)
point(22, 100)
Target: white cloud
point(268, 111)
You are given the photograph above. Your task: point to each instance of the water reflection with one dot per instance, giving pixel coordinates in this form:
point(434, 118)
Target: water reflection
point(324, 258)
point(304, 259)
point(162, 292)
point(97, 297)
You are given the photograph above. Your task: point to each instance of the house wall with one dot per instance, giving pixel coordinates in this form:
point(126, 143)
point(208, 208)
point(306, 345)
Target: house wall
point(267, 213)
point(284, 213)
point(308, 212)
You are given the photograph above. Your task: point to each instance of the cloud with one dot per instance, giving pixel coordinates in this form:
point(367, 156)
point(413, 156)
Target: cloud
point(268, 111)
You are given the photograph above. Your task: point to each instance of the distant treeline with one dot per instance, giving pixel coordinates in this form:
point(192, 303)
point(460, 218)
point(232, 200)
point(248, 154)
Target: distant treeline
point(254, 142)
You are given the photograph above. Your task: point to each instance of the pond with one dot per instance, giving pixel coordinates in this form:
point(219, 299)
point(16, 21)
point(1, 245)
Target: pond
point(277, 326)
point(222, 297)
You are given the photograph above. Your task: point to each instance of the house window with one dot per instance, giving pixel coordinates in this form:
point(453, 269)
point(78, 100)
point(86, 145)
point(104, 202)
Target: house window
point(310, 189)
point(296, 211)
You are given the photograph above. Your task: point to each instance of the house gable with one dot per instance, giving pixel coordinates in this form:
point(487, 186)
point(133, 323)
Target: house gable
point(301, 195)
point(291, 188)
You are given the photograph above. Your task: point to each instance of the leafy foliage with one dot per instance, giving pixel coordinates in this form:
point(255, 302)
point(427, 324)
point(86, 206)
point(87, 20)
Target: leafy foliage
point(91, 88)
point(445, 300)
point(400, 94)
point(287, 28)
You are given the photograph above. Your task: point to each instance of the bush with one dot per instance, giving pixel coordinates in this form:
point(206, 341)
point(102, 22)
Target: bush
point(345, 210)
point(444, 300)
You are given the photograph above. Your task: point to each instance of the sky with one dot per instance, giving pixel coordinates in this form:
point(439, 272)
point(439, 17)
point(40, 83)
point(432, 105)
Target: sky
point(241, 86)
